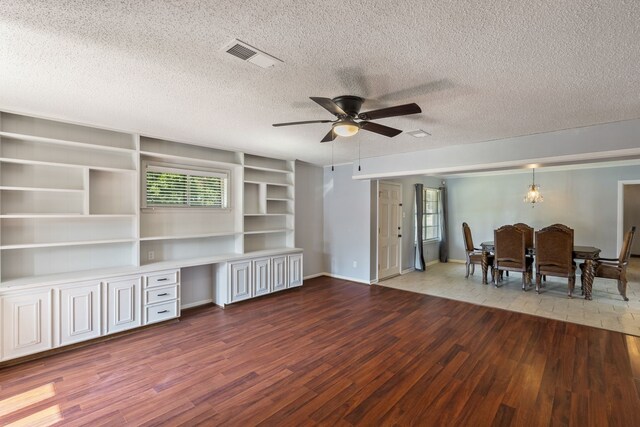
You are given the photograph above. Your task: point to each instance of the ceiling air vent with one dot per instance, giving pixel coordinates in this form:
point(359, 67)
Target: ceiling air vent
point(251, 54)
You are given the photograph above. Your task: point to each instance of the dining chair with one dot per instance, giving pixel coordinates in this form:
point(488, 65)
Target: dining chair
point(528, 234)
point(473, 254)
point(511, 254)
point(614, 268)
point(554, 255)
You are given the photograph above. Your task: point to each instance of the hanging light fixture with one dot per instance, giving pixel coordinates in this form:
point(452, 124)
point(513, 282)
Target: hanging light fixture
point(533, 196)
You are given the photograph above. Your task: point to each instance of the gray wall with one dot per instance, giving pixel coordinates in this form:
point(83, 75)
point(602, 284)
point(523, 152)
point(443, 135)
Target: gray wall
point(309, 217)
point(431, 250)
point(584, 199)
point(632, 213)
point(347, 222)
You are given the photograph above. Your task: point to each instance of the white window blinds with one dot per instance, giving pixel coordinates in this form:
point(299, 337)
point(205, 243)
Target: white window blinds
point(174, 187)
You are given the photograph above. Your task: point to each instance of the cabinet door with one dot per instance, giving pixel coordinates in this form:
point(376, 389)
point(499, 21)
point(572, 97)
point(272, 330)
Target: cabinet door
point(279, 268)
point(124, 304)
point(295, 270)
point(261, 276)
point(26, 324)
point(79, 313)
point(240, 280)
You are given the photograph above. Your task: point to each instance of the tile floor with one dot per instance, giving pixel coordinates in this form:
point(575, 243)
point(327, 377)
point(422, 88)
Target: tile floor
point(607, 310)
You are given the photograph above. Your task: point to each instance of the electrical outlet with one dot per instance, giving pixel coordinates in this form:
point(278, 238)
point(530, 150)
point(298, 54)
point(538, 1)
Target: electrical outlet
point(355, 264)
point(151, 255)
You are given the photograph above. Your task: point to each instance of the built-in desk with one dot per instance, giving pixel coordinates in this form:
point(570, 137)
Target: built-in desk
point(41, 313)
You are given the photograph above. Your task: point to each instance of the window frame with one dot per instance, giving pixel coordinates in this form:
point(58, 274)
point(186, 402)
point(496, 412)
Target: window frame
point(185, 170)
point(437, 215)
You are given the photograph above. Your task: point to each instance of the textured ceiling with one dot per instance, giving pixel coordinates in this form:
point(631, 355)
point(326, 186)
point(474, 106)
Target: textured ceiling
point(480, 70)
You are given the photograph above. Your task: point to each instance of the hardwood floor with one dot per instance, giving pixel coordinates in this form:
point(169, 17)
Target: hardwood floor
point(335, 352)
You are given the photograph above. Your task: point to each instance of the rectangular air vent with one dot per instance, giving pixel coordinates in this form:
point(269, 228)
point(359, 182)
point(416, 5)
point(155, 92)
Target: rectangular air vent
point(251, 54)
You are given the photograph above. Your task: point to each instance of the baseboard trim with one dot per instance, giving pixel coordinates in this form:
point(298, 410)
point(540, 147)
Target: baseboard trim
point(351, 279)
point(196, 304)
point(458, 261)
point(408, 270)
point(434, 262)
point(313, 276)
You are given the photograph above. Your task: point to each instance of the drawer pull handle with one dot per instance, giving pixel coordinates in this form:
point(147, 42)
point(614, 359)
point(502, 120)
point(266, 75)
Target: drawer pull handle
point(163, 311)
point(163, 279)
point(164, 294)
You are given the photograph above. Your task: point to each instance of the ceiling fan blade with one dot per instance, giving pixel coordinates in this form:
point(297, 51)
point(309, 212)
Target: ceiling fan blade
point(381, 129)
point(301, 123)
point(399, 110)
point(329, 105)
point(329, 136)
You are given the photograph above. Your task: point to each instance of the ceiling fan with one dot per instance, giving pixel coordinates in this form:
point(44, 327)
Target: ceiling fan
point(349, 120)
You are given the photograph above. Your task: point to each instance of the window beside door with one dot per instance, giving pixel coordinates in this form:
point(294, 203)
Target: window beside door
point(431, 214)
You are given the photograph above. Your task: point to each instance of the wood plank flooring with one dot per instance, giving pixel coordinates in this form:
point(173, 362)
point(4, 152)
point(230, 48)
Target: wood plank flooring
point(338, 353)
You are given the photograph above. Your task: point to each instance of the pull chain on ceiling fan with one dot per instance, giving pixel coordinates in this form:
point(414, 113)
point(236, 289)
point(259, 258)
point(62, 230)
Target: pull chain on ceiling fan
point(350, 121)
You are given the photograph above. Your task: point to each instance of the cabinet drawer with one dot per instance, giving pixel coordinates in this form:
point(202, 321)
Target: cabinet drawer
point(162, 279)
point(159, 312)
point(152, 296)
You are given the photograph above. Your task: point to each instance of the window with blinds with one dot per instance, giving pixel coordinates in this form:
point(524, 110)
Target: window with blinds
point(185, 188)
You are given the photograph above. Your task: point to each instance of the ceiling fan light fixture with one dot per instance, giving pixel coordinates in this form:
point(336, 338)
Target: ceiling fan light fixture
point(346, 128)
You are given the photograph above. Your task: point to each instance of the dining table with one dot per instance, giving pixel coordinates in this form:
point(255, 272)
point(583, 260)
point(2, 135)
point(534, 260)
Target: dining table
point(586, 253)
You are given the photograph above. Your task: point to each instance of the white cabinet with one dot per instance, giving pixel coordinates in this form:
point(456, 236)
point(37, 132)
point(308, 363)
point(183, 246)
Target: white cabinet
point(161, 296)
point(261, 276)
point(279, 272)
point(80, 314)
point(295, 270)
point(26, 324)
point(123, 304)
point(240, 281)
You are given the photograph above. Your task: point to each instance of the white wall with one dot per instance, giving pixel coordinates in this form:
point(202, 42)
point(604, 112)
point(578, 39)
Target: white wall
point(583, 199)
point(309, 216)
point(347, 222)
point(632, 213)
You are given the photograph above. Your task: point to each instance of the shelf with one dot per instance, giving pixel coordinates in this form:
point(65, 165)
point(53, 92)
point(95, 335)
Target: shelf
point(279, 199)
point(22, 137)
point(67, 216)
point(277, 230)
point(185, 159)
point(268, 183)
point(58, 244)
point(60, 190)
point(267, 214)
point(190, 236)
point(260, 168)
point(67, 165)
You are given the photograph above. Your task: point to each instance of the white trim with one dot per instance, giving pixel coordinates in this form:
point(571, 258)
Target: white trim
point(408, 270)
point(351, 279)
point(434, 262)
point(458, 261)
point(313, 276)
point(196, 304)
point(620, 224)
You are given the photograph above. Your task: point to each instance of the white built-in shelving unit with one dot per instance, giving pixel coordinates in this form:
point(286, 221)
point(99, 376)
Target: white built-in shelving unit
point(67, 199)
point(71, 201)
point(81, 256)
point(269, 203)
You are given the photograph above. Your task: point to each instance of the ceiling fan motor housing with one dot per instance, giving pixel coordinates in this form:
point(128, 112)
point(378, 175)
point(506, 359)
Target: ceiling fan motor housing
point(350, 104)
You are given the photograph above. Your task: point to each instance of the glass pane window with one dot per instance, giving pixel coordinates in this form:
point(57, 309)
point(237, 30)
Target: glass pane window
point(186, 188)
point(431, 214)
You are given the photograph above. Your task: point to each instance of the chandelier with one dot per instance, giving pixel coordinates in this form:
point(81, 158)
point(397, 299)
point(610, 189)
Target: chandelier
point(533, 196)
